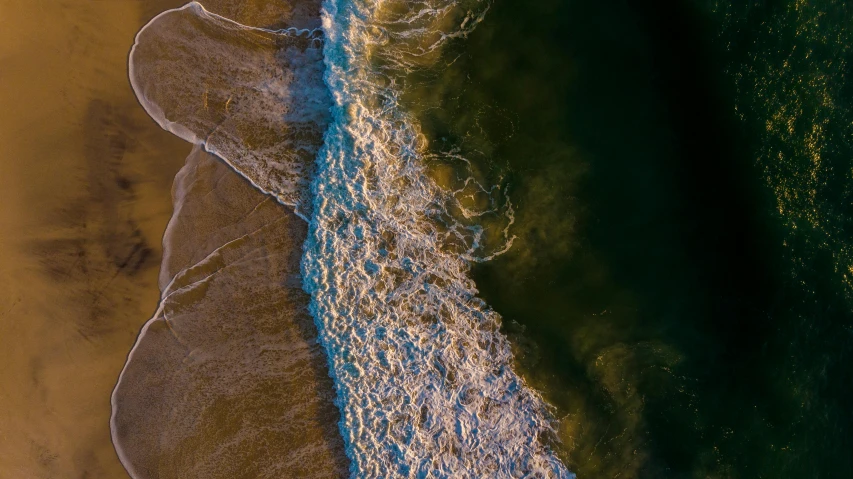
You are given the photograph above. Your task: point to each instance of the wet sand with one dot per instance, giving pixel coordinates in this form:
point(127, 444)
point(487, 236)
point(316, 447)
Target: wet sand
point(85, 181)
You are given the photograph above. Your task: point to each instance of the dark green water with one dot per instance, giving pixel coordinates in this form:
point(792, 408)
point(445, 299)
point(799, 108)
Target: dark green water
point(682, 282)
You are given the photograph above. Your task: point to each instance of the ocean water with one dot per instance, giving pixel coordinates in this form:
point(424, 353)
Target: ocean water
point(609, 238)
point(680, 173)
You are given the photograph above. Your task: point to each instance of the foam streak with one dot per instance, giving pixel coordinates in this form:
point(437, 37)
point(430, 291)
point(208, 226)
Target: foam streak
point(423, 375)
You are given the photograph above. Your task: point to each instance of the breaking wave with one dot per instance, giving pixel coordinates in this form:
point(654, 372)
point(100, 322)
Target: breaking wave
point(424, 376)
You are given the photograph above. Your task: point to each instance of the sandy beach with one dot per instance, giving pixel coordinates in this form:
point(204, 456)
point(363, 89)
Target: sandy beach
point(85, 182)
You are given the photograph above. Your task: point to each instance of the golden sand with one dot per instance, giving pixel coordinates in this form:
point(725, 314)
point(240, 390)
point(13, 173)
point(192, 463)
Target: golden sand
point(85, 179)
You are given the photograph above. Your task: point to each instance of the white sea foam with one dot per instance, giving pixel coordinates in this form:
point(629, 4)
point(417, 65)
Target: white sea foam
point(423, 374)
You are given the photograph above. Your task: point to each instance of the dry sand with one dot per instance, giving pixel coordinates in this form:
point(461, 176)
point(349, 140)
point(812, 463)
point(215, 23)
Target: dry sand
point(85, 179)
point(228, 381)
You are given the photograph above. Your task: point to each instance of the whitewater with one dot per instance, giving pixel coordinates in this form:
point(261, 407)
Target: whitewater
point(422, 373)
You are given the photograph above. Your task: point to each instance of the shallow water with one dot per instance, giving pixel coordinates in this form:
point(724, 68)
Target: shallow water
point(227, 379)
point(424, 379)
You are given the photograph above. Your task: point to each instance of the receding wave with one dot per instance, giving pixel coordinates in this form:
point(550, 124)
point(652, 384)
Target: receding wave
point(423, 376)
point(227, 379)
point(252, 96)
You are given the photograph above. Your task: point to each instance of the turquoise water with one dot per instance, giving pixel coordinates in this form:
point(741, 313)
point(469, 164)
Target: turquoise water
point(680, 286)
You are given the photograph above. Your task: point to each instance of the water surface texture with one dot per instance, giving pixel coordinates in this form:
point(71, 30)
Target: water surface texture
point(679, 285)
